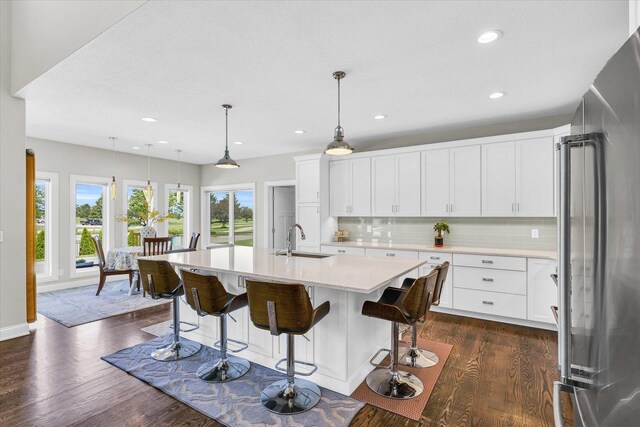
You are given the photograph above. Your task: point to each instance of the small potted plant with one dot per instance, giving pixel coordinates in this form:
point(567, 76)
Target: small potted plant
point(440, 227)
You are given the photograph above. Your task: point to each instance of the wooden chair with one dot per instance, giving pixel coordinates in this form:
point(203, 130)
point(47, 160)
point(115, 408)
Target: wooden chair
point(137, 240)
point(156, 245)
point(193, 243)
point(102, 263)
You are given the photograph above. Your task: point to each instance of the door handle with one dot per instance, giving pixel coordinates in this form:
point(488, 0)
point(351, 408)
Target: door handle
point(390, 254)
point(513, 207)
point(487, 302)
point(487, 279)
point(487, 261)
point(341, 251)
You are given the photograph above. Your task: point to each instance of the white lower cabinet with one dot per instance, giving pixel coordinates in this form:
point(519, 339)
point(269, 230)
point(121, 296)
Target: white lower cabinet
point(345, 250)
point(494, 303)
point(485, 279)
point(542, 292)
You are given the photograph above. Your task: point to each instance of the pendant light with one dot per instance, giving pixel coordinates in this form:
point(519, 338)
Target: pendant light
point(179, 190)
point(226, 162)
point(114, 188)
point(339, 147)
point(148, 191)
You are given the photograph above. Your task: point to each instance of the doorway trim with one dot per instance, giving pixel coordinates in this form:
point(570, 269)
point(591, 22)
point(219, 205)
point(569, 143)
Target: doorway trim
point(267, 205)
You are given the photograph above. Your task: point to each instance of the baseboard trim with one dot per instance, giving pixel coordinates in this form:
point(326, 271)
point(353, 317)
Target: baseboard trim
point(48, 287)
point(14, 331)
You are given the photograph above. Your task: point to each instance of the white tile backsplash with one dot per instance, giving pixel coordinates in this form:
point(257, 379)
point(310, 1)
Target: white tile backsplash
point(508, 233)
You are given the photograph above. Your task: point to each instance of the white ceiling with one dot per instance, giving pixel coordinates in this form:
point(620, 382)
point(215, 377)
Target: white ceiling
point(416, 62)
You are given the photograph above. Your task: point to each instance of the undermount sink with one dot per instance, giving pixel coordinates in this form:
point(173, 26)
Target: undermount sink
point(303, 255)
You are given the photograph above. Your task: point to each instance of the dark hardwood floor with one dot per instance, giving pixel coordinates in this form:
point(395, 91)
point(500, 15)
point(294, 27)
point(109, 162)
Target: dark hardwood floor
point(497, 375)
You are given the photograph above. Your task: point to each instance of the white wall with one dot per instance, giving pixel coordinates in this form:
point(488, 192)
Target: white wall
point(634, 15)
point(13, 312)
point(67, 159)
point(46, 32)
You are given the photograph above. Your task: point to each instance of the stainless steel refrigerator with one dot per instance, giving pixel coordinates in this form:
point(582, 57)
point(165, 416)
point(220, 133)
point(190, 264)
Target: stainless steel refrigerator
point(599, 249)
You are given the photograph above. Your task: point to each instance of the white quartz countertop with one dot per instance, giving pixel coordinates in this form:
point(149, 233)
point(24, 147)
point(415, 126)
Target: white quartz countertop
point(523, 253)
point(352, 273)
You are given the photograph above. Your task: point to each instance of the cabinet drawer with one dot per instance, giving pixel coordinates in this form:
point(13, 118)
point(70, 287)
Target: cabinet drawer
point(486, 261)
point(392, 253)
point(495, 303)
point(436, 257)
point(487, 279)
point(342, 250)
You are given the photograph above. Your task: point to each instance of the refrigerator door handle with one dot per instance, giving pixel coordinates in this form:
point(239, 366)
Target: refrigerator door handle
point(558, 387)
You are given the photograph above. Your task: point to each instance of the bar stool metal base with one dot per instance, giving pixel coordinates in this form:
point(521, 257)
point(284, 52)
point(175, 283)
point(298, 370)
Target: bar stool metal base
point(418, 357)
point(176, 351)
point(222, 371)
point(401, 385)
point(282, 398)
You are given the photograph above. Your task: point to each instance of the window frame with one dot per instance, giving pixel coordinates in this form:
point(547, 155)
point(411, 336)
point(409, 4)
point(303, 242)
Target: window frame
point(108, 232)
point(126, 183)
point(51, 227)
point(187, 217)
point(205, 210)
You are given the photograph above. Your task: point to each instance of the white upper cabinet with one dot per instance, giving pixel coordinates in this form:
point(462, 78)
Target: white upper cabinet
point(350, 187)
point(308, 181)
point(383, 186)
point(499, 179)
point(339, 187)
point(535, 177)
point(518, 178)
point(435, 182)
point(395, 185)
point(464, 175)
point(308, 215)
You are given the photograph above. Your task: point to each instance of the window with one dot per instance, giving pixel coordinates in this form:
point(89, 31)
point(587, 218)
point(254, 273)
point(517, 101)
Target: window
point(90, 216)
point(135, 205)
point(178, 226)
point(46, 226)
point(229, 222)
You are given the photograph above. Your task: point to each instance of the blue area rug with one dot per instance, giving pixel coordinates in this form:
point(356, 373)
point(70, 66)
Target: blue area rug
point(76, 306)
point(236, 403)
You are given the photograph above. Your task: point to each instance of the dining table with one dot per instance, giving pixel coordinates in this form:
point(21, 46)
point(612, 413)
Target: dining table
point(125, 258)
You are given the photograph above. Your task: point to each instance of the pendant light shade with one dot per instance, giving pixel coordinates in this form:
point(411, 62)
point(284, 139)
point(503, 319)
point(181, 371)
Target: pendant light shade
point(338, 147)
point(226, 162)
point(113, 189)
point(148, 190)
point(179, 190)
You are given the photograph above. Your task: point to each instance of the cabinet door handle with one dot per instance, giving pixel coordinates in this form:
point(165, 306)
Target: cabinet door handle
point(451, 208)
point(487, 302)
point(518, 206)
point(513, 207)
point(390, 254)
point(434, 257)
point(318, 195)
point(317, 209)
point(341, 251)
point(446, 207)
point(487, 279)
point(487, 261)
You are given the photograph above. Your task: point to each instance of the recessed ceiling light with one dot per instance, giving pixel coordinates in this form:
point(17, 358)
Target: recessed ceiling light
point(299, 131)
point(135, 148)
point(497, 95)
point(237, 142)
point(489, 36)
point(148, 119)
point(163, 142)
point(380, 117)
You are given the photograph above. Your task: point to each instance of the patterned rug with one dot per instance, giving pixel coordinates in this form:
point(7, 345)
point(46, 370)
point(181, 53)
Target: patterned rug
point(236, 403)
point(76, 306)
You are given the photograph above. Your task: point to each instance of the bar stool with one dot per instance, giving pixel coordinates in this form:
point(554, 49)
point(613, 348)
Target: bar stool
point(398, 306)
point(162, 282)
point(206, 295)
point(412, 355)
point(286, 309)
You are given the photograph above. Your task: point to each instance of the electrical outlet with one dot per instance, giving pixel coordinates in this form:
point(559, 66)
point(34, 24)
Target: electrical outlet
point(535, 233)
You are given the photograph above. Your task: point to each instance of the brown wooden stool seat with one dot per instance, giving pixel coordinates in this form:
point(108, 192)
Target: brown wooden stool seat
point(286, 309)
point(412, 355)
point(206, 295)
point(399, 307)
point(160, 280)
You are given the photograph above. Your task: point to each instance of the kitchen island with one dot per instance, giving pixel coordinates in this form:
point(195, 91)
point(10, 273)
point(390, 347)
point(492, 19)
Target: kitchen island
point(341, 344)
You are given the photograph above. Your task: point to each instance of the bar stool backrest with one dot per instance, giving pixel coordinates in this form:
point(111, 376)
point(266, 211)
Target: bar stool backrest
point(161, 274)
point(290, 303)
point(212, 297)
point(418, 299)
point(443, 269)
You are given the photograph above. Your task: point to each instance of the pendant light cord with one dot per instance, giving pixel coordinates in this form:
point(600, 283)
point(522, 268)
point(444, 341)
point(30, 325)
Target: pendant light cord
point(148, 163)
point(226, 129)
point(178, 167)
point(339, 103)
point(113, 155)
